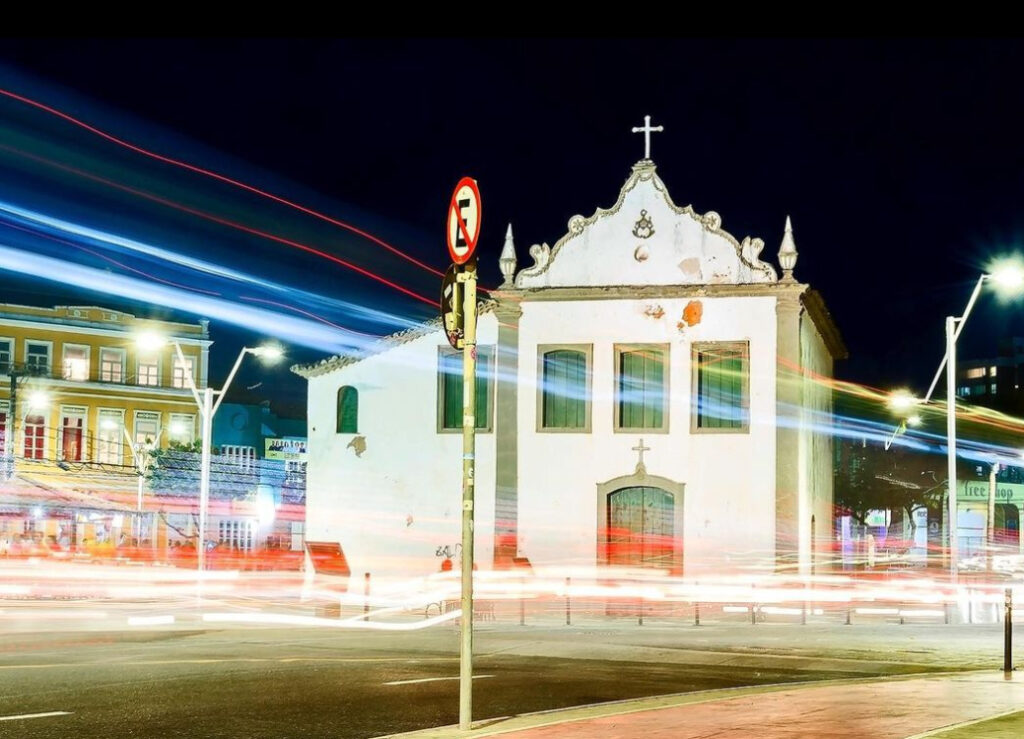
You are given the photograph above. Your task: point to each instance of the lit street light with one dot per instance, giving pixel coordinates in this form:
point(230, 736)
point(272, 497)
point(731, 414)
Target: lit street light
point(207, 409)
point(1009, 277)
point(38, 400)
point(902, 400)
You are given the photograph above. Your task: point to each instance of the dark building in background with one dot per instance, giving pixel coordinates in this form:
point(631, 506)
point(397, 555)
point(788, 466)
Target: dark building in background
point(994, 382)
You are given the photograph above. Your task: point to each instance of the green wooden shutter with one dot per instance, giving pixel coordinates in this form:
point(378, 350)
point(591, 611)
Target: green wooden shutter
point(564, 388)
point(642, 389)
point(348, 410)
point(721, 381)
point(451, 389)
point(483, 388)
point(654, 389)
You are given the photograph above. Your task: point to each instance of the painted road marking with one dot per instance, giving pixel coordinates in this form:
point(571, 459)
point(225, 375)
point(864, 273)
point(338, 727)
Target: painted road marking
point(150, 620)
point(431, 680)
point(35, 715)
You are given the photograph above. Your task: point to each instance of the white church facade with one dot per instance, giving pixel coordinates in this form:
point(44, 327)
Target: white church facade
point(649, 393)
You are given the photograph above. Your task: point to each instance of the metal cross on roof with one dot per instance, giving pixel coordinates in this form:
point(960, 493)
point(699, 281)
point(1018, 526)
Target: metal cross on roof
point(647, 129)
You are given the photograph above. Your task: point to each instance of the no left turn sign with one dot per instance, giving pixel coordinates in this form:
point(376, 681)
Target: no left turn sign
point(463, 220)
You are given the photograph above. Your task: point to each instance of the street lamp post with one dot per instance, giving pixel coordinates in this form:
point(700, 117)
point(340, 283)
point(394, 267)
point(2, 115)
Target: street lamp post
point(1009, 277)
point(207, 409)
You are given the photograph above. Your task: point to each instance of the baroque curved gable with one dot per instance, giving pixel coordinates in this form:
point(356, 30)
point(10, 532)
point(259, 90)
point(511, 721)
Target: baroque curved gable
point(646, 239)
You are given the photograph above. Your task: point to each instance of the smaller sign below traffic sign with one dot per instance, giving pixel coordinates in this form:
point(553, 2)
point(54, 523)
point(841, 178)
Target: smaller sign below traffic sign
point(463, 229)
point(452, 317)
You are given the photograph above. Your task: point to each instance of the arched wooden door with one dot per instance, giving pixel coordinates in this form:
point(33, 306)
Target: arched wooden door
point(641, 528)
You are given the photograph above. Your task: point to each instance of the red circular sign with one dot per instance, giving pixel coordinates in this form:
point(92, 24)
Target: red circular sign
point(463, 228)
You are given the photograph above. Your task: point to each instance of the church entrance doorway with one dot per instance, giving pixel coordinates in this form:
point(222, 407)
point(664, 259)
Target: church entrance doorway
point(641, 527)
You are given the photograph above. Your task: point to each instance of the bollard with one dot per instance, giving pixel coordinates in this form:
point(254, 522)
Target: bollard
point(1008, 632)
point(522, 607)
point(945, 613)
point(848, 613)
point(640, 613)
point(803, 613)
point(696, 614)
point(970, 607)
point(753, 614)
point(568, 612)
point(366, 596)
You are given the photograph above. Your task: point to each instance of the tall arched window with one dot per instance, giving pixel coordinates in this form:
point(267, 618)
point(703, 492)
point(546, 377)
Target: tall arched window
point(348, 410)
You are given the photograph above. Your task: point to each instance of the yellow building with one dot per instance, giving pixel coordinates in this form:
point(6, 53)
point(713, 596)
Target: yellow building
point(79, 400)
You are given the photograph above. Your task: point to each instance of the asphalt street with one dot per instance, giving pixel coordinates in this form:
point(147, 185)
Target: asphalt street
point(269, 682)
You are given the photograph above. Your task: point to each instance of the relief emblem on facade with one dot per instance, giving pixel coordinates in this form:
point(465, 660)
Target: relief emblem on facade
point(644, 226)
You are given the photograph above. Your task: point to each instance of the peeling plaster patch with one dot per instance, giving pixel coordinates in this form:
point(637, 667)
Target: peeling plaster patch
point(693, 312)
point(691, 268)
point(408, 520)
point(358, 444)
point(641, 253)
point(654, 311)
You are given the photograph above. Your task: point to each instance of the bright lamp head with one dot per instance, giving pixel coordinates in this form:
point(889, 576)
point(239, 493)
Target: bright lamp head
point(268, 352)
point(1010, 277)
point(902, 400)
point(150, 341)
point(38, 400)
point(1007, 276)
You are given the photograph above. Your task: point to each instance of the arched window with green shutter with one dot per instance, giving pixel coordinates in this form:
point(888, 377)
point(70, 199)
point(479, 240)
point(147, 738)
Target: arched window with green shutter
point(348, 410)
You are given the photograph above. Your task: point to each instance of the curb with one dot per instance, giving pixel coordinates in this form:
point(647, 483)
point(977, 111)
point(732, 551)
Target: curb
point(508, 724)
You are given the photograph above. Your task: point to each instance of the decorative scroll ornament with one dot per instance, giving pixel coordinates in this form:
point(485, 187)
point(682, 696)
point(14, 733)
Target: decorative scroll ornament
point(541, 254)
point(644, 227)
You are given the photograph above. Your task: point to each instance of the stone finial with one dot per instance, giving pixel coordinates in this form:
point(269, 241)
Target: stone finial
point(787, 253)
point(507, 261)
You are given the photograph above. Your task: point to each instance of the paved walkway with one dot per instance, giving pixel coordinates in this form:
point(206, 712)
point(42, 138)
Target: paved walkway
point(862, 709)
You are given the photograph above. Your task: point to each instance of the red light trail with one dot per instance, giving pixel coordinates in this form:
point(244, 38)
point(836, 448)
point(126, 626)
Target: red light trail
point(306, 313)
point(224, 222)
point(214, 175)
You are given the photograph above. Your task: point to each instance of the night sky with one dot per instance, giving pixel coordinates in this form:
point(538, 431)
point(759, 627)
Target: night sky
point(901, 163)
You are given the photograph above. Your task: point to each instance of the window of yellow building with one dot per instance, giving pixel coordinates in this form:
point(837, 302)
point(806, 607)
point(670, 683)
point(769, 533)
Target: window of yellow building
point(72, 433)
point(149, 372)
point(76, 362)
point(109, 436)
point(37, 356)
point(182, 372)
point(111, 365)
point(147, 428)
point(35, 436)
point(6, 354)
point(183, 428)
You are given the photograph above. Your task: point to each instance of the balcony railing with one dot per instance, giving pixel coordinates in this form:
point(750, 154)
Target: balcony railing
point(71, 373)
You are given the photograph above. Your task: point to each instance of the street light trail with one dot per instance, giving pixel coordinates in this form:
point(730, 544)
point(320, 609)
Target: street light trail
point(52, 229)
point(73, 245)
point(306, 313)
point(297, 330)
point(198, 264)
point(201, 214)
point(214, 175)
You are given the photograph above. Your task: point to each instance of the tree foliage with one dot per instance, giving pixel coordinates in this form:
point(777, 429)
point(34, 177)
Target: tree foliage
point(869, 478)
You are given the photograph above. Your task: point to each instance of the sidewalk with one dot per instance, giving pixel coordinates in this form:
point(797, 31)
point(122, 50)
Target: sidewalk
point(890, 708)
